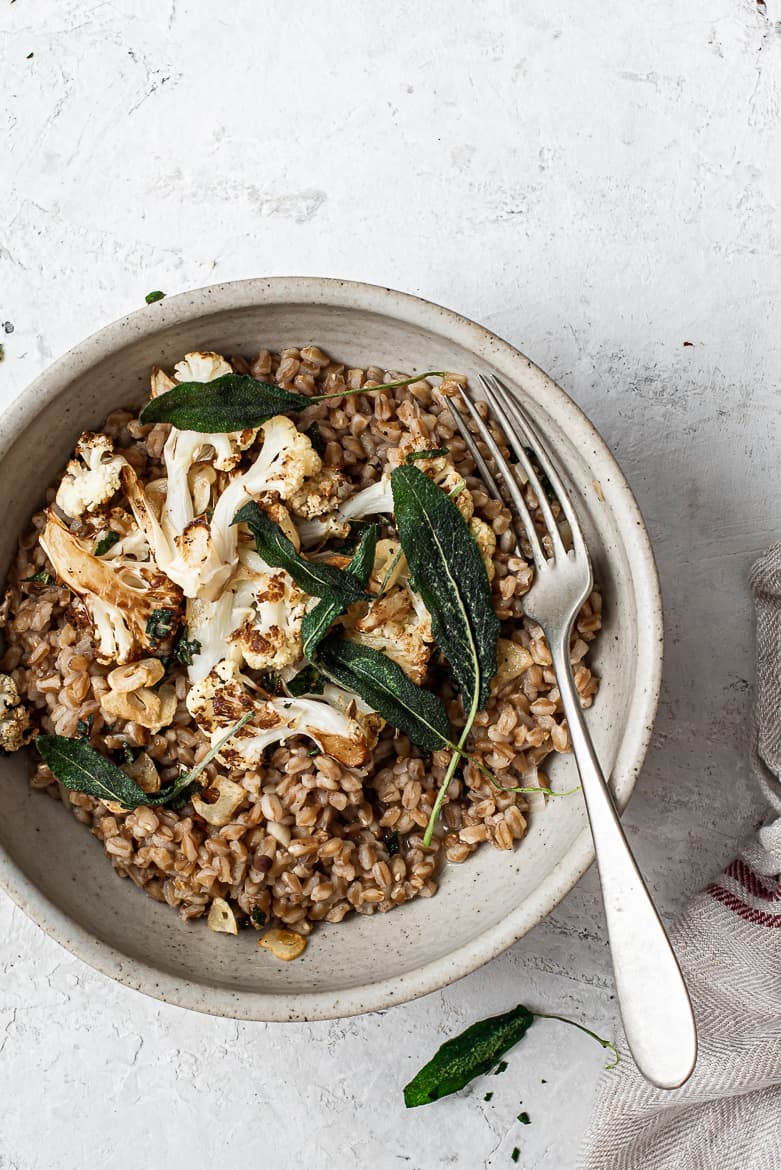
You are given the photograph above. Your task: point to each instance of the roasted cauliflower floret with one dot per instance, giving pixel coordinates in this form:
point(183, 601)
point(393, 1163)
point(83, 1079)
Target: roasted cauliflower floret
point(256, 620)
point(14, 717)
point(218, 701)
point(269, 638)
point(399, 626)
point(91, 479)
point(319, 494)
point(197, 552)
point(201, 367)
point(132, 607)
point(369, 501)
point(485, 539)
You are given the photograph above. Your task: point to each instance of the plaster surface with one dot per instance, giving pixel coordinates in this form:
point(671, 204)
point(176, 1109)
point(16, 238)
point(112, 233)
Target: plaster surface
point(597, 182)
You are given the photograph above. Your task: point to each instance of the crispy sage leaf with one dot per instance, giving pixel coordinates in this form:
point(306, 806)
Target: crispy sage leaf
point(315, 577)
point(450, 576)
point(467, 1056)
point(308, 681)
point(385, 687)
point(233, 402)
point(78, 766)
point(319, 620)
point(477, 1050)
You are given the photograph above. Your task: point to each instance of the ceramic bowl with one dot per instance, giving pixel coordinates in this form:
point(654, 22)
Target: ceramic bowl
point(57, 873)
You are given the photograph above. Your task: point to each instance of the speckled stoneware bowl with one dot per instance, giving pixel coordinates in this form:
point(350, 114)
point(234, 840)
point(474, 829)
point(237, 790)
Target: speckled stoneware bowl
point(58, 874)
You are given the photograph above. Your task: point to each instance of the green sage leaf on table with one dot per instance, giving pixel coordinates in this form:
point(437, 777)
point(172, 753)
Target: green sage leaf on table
point(315, 577)
point(385, 687)
point(478, 1050)
point(319, 620)
point(233, 402)
point(475, 1052)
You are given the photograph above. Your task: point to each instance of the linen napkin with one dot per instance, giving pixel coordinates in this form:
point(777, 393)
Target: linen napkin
point(728, 1115)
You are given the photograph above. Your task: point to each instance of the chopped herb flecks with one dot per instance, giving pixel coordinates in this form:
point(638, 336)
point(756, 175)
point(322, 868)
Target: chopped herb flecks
point(488, 1097)
point(391, 841)
point(524, 1118)
point(160, 624)
point(39, 578)
point(185, 648)
point(434, 453)
point(105, 542)
point(84, 726)
point(258, 916)
point(515, 1155)
point(500, 1068)
point(151, 297)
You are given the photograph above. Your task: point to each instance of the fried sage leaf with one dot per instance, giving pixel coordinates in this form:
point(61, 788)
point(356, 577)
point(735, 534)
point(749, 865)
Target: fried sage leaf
point(315, 577)
point(450, 576)
point(78, 766)
point(236, 402)
point(319, 620)
point(475, 1052)
point(233, 402)
point(385, 687)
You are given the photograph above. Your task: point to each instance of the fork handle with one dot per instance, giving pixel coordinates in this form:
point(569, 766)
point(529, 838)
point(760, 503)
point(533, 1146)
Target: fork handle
point(652, 996)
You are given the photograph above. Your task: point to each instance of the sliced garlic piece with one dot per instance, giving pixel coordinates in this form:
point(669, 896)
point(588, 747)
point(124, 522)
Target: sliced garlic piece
point(283, 944)
point(221, 918)
point(221, 812)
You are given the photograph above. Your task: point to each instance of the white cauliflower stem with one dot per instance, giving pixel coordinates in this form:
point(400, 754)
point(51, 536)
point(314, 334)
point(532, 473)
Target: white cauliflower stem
point(220, 699)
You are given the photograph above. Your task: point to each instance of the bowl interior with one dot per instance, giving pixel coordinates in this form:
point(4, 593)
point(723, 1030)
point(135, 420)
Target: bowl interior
point(482, 905)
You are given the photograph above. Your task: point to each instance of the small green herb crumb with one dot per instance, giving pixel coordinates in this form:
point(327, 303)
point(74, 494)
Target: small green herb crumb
point(2, 352)
point(39, 578)
point(84, 726)
point(488, 1096)
point(391, 841)
point(106, 541)
point(524, 1118)
point(432, 453)
point(258, 916)
point(515, 1155)
point(185, 648)
point(500, 1068)
point(312, 432)
point(30, 55)
point(151, 297)
point(315, 751)
point(271, 682)
point(308, 681)
point(159, 624)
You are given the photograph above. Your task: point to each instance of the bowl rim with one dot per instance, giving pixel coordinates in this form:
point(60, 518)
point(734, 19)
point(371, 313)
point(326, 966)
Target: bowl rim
point(188, 306)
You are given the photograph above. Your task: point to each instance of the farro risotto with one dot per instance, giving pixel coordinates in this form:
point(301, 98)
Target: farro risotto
point(232, 642)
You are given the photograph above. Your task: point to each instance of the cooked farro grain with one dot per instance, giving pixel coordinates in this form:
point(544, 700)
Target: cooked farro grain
point(310, 840)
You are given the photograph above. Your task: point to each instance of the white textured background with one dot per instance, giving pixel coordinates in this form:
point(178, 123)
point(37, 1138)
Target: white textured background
point(597, 181)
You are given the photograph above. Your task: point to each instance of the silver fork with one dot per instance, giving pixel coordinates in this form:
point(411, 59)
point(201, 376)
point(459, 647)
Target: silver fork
point(652, 996)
